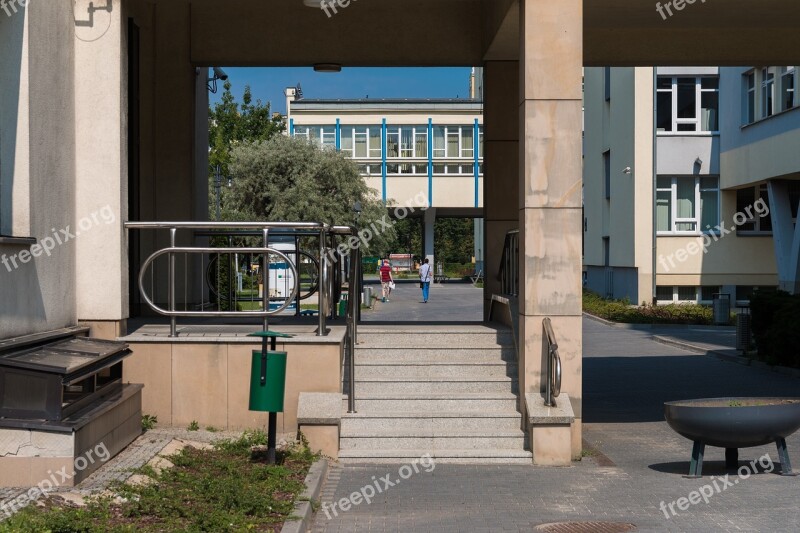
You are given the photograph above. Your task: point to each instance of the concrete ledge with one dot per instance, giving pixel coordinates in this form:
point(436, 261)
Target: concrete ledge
point(539, 413)
point(304, 508)
point(550, 430)
point(319, 415)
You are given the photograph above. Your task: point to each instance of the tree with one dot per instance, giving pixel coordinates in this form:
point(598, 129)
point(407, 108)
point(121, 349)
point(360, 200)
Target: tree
point(290, 179)
point(230, 124)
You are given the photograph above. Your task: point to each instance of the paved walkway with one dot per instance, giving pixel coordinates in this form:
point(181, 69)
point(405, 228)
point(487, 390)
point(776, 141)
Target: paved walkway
point(627, 377)
point(448, 302)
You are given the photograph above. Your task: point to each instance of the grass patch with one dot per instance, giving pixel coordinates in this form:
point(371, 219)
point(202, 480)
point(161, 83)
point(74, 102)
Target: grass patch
point(221, 489)
point(623, 311)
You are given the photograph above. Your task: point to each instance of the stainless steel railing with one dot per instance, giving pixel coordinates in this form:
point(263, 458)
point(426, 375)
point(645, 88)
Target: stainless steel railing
point(329, 269)
point(509, 264)
point(553, 370)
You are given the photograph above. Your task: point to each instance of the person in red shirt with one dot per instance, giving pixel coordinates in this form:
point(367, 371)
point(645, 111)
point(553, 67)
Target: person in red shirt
point(386, 280)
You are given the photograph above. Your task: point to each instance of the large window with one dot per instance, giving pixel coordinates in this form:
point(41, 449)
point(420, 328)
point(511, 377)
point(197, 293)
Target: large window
point(768, 91)
point(454, 142)
point(407, 142)
point(322, 135)
point(687, 205)
point(361, 142)
point(745, 203)
point(687, 104)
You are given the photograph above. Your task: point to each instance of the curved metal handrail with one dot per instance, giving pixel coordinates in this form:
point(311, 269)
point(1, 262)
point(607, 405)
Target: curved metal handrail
point(553, 372)
point(207, 250)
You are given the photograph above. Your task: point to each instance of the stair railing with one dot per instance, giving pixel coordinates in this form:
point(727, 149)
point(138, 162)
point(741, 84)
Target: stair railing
point(553, 370)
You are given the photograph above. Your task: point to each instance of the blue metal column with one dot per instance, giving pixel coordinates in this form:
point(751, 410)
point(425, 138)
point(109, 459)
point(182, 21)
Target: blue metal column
point(430, 162)
point(476, 146)
point(383, 157)
point(338, 135)
point(291, 127)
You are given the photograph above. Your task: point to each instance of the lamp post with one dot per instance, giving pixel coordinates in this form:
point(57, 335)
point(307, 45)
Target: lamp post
point(218, 186)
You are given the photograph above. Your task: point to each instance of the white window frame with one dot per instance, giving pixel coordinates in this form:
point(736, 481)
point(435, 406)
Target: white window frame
point(750, 85)
point(361, 131)
point(768, 86)
point(327, 134)
point(697, 121)
point(418, 133)
point(463, 145)
point(763, 86)
point(676, 298)
point(788, 73)
point(697, 219)
point(760, 192)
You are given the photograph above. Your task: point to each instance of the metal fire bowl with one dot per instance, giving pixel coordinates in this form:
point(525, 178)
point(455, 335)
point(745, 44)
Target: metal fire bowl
point(715, 422)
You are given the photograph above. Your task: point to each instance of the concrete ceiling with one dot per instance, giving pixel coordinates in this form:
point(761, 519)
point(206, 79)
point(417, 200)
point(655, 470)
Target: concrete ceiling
point(468, 32)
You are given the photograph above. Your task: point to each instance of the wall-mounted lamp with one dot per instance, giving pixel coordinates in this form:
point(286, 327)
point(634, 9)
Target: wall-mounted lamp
point(327, 67)
point(627, 170)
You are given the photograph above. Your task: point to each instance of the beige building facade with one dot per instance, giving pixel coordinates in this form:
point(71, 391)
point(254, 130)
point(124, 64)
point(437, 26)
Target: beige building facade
point(671, 186)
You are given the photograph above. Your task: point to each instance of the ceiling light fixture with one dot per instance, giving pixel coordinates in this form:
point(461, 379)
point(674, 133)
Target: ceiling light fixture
point(327, 67)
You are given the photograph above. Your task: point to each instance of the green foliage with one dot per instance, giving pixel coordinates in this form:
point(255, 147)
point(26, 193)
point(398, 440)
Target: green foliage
point(623, 311)
point(149, 422)
point(776, 315)
point(291, 179)
point(222, 489)
point(454, 240)
point(193, 426)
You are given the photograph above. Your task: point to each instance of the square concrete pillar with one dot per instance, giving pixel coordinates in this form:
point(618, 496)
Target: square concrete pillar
point(550, 180)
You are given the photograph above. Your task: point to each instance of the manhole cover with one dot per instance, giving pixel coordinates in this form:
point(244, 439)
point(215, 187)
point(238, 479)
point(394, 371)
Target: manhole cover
point(585, 527)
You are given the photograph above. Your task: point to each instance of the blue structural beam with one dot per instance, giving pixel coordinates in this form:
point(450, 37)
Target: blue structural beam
point(430, 162)
point(291, 127)
point(477, 166)
point(383, 157)
point(338, 135)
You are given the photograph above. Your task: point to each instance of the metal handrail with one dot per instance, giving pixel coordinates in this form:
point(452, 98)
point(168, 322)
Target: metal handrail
point(509, 264)
point(553, 371)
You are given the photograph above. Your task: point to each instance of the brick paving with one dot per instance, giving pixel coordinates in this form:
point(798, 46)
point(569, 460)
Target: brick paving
point(627, 377)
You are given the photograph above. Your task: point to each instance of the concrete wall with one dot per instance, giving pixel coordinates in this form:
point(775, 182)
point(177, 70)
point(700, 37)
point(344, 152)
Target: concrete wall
point(37, 173)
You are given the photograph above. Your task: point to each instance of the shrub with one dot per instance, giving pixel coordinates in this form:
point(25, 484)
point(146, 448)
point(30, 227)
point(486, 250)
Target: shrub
point(623, 311)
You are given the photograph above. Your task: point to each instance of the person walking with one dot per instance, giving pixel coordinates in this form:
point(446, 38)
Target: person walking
point(425, 279)
point(386, 280)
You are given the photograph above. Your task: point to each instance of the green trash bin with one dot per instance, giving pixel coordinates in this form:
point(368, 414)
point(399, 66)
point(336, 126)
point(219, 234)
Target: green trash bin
point(267, 385)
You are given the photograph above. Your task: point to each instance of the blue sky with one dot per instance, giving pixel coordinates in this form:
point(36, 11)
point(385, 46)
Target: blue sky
point(268, 84)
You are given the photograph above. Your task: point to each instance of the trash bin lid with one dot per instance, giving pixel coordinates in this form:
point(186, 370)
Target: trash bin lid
point(270, 334)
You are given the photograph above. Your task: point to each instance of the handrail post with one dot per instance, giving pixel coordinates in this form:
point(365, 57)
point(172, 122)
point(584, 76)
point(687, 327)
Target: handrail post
point(352, 317)
point(173, 320)
point(265, 278)
point(323, 284)
point(553, 366)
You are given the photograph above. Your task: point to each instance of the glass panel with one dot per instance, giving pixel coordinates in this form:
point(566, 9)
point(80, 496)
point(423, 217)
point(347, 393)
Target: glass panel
point(467, 142)
point(468, 169)
point(709, 183)
point(421, 168)
point(407, 142)
point(392, 168)
point(744, 292)
point(794, 196)
point(664, 83)
point(438, 141)
point(687, 127)
point(421, 142)
point(360, 143)
point(438, 168)
point(452, 169)
point(687, 98)
point(664, 120)
point(452, 143)
point(685, 198)
point(709, 83)
point(664, 182)
point(687, 294)
point(709, 212)
point(744, 200)
point(375, 142)
point(347, 140)
point(787, 89)
point(664, 211)
point(767, 93)
point(710, 107)
point(707, 293)
point(392, 143)
point(664, 294)
point(765, 222)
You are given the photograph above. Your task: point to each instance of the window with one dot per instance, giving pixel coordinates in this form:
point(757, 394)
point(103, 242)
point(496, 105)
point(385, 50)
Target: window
point(767, 93)
point(321, 135)
point(454, 142)
point(453, 169)
point(664, 294)
point(407, 142)
point(707, 294)
point(788, 88)
point(746, 203)
point(607, 173)
point(687, 294)
point(750, 87)
point(687, 104)
point(407, 168)
point(687, 204)
point(361, 141)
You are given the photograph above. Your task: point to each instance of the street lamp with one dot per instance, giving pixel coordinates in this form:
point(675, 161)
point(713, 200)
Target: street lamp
point(218, 186)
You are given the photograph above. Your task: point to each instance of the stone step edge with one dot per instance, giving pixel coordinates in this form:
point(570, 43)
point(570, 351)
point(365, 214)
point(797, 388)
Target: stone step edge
point(453, 453)
point(439, 414)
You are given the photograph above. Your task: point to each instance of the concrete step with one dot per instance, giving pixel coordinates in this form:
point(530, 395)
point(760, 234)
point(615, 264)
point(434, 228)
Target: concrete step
point(414, 422)
point(388, 402)
point(450, 456)
point(400, 386)
point(434, 355)
point(434, 340)
point(465, 439)
point(415, 371)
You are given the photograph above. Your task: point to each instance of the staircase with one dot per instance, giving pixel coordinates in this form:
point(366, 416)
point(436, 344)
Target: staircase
point(450, 392)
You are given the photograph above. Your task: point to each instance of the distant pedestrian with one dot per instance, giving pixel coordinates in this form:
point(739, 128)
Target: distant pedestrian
point(425, 279)
point(386, 280)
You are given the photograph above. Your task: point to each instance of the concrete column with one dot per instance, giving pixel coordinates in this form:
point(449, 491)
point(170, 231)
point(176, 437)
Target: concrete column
point(430, 220)
point(786, 236)
point(550, 192)
point(101, 163)
point(501, 166)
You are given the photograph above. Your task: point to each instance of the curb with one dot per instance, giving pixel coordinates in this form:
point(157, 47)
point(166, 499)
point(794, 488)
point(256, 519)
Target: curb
point(303, 508)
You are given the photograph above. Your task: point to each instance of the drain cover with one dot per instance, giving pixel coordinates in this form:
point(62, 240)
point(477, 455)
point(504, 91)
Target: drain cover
point(585, 527)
